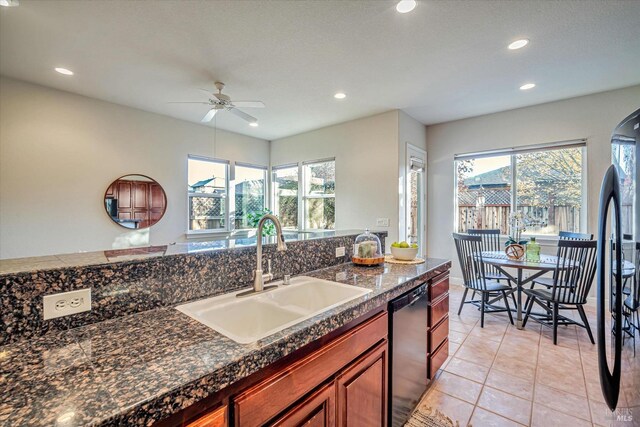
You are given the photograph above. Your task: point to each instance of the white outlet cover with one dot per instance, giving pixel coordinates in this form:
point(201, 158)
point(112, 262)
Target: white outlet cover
point(50, 302)
point(340, 251)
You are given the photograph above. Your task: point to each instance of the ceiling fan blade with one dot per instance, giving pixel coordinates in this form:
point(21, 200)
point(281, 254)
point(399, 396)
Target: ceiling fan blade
point(248, 104)
point(209, 115)
point(180, 102)
point(243, 115)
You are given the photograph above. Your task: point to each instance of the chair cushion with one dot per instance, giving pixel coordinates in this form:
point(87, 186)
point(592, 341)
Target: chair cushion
point(491, 286)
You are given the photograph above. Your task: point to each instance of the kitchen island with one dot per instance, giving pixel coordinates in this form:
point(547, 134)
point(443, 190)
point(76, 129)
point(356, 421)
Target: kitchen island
point(160, 365)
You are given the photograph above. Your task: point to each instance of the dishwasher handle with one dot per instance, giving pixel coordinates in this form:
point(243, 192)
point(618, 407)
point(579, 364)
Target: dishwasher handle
point(408, 299)
point(417, 294)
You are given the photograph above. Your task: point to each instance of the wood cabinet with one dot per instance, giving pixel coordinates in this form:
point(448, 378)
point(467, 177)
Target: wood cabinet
point(317, 410)
point(215, 418)
point(362, 391)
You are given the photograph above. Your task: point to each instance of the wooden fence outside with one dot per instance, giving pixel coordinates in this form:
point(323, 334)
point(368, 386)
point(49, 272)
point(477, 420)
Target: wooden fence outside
point(566, 218)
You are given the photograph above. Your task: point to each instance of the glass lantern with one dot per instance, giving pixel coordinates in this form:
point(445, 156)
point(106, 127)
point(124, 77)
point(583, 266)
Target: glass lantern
point(367, 249)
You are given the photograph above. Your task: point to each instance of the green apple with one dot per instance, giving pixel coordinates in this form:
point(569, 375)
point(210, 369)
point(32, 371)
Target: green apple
point(404, 245)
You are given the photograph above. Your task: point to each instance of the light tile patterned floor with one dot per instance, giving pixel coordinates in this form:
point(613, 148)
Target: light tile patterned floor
point(501, 376)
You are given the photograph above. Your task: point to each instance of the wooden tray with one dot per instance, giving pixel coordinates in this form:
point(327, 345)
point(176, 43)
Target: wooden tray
point(367, 261)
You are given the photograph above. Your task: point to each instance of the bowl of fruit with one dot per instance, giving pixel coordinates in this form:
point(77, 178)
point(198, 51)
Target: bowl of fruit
point(403, 251)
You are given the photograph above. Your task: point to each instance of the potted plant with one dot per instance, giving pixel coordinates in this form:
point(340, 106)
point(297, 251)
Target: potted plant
point(515, 243)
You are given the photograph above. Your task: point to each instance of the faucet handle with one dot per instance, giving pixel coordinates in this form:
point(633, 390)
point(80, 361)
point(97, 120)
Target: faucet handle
point(286, 280)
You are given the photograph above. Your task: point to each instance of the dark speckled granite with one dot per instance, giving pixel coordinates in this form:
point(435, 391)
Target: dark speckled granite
point(132, 286)
point(138, 369)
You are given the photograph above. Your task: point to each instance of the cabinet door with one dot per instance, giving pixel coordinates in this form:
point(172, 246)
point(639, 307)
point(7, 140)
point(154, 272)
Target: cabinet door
point(216, 418)
point(318, 410)
point(362, 390)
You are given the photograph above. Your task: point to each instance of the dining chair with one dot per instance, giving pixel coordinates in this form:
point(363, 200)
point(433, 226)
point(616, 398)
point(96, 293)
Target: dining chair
point(490, 243)
point(563, 235)
point(631, 305)
point(575, 271)
point(469, 249)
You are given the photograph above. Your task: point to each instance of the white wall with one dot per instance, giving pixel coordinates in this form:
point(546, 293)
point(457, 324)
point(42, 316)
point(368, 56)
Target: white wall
point(59, 152)
point(593, 117)
point(366, 152)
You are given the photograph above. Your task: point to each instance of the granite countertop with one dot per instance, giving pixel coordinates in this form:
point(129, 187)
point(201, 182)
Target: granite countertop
point(137, 369)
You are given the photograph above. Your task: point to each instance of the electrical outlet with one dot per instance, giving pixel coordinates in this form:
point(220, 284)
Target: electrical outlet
point(65, 303)
point(382, 222)
point(340, 251)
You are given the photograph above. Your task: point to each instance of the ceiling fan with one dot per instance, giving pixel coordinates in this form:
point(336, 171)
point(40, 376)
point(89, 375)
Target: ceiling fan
point(220, 101)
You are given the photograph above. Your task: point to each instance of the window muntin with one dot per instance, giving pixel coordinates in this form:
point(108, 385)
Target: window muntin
point(207, 191)
point(548, 184)
point(286, 182)
point(250, 190)
point(319, 194)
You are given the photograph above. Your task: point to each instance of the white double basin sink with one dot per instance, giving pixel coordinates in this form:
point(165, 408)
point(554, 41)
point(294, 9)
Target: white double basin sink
point(251, 318)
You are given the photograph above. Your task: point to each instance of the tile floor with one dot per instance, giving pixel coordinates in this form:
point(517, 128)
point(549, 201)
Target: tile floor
point(501, 376)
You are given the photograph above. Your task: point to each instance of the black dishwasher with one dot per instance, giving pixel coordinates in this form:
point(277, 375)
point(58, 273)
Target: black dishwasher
point(408, 320)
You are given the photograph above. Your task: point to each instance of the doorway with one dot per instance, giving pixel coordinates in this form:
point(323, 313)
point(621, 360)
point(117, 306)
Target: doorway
point(415, 201)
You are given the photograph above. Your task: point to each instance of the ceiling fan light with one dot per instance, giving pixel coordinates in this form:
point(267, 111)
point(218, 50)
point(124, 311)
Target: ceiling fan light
point(340, 95)
point(527, 86)
point(253, 124)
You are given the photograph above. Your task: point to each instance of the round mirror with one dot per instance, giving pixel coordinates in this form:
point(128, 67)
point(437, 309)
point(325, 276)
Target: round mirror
point(135, 201)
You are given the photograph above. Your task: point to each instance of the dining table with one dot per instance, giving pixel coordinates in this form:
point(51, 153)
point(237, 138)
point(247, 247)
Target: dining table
point(546, 264)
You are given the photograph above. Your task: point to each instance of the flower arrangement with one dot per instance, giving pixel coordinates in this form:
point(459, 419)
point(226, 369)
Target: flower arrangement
point(517, 222)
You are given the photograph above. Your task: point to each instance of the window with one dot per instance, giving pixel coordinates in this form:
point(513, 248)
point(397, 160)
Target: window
point(319, 194)
point(250, 186)
point(545, 182)
point(310, 206)
point(285, 195)
point(207, 189)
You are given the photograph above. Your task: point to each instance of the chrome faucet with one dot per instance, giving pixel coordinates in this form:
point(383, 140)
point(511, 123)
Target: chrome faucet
point(258, 276)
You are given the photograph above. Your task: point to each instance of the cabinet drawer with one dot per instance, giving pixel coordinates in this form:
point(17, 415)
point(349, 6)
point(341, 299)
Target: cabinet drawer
point(215, 418)
point(438, 288)
point(260, 403)
point(438, 309)
point(437, 358)
point(438, 334)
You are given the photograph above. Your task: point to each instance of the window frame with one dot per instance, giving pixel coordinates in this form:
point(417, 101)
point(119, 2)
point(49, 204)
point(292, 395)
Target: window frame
point(303, 197)
point(265, 192)
point(513, 152)
point(191, 194)
point(274, 195)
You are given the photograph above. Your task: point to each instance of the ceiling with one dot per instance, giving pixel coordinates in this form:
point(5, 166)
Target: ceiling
point(446, 60)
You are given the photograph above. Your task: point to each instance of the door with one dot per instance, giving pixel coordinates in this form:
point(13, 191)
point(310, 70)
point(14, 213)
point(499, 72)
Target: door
point(317, 410)
point(415, 199)
point(362, 396)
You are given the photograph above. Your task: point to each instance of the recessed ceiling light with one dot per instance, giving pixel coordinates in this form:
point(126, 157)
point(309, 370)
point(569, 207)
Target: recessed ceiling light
point(405, 6)
point(64, 71)
point(9, 3)
point(518, 44)
point(527, 86)
point(253, 124)
point(340, 95)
